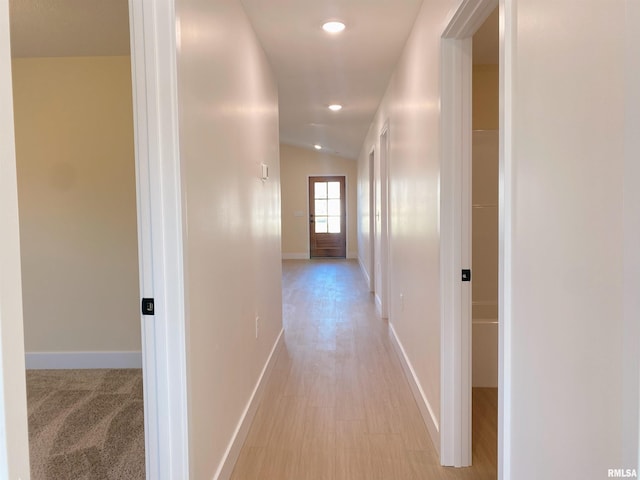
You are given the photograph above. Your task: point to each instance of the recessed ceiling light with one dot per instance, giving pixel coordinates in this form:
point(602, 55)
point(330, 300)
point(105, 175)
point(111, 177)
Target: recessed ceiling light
point(333, 27)
point(318, 147)
point(335, 107)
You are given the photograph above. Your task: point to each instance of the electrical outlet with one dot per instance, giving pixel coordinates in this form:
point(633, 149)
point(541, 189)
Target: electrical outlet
point(257, 326)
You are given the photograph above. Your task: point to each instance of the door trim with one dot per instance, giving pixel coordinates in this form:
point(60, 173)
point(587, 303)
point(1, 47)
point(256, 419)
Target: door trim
point(455, 230)
point(159, 196)
point(372, 220)
point(14, 440)
point(382, 296)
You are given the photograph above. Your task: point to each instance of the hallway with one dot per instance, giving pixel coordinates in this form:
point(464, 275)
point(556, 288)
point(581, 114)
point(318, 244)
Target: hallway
point(337, 405)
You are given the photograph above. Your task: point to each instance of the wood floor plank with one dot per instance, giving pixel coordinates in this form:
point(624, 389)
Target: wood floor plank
point(337, 405)
point(249, 464)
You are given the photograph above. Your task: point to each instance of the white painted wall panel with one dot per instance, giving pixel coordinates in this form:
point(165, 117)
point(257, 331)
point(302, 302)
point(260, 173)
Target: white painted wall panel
point(567, 236)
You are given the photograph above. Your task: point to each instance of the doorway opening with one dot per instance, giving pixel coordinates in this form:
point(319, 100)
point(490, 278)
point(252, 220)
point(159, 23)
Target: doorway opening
point(327, 217)
point(457, 245)
point(160, 249)
point(484, 241)
point(75, 157)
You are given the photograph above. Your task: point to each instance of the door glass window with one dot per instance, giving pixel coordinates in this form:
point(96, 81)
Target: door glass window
point(327, 207)
point(333, 190)
point(321, 207)
point(334, 224)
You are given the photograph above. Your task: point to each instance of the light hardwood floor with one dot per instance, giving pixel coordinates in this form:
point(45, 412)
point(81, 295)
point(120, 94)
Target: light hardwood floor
point(337, 405)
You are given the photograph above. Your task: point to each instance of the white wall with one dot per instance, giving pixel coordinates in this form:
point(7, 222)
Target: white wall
point(228, 125)
point(411, 106)
point(77, 195)
point(14, 448)
point(631, 360)
point(567, 233)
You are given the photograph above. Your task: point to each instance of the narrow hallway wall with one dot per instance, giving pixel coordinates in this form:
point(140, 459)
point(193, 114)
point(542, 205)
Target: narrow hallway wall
point(228, 113)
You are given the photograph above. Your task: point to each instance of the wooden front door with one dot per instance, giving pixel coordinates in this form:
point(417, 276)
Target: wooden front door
point(327, 217)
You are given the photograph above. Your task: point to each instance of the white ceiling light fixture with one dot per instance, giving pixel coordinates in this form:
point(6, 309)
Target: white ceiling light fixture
point(335, 107)
point(317, 147)
point(333, 26)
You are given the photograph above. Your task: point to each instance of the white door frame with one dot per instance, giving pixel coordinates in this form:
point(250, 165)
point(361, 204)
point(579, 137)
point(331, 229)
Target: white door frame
point(372, 219)
point(385, 255)
point(14, 440)
point(160, 230)
point(455, 230)
point(381, 244)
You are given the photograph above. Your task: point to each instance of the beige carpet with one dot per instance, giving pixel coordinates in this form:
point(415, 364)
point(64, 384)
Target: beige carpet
point(86, 424)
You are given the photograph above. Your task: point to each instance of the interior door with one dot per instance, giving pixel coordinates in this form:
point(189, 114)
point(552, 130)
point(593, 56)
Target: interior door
point(327, 217)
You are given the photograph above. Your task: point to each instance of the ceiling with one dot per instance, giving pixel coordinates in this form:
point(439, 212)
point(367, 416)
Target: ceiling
point(66, 28)
point(314, 69)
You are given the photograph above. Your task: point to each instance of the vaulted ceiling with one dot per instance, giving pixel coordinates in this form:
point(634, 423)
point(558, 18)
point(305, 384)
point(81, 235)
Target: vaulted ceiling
point(314, 69)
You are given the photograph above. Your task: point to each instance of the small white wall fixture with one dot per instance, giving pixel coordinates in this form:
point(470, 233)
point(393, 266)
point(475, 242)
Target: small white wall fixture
point(455, 230)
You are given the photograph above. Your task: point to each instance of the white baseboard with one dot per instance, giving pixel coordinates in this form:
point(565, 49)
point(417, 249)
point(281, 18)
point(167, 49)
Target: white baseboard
point(295, 256)
point(365, 273)
point(242, 430)
point(77, 360)
point(429, 417)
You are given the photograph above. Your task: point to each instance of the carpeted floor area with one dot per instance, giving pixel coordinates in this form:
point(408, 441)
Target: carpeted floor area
point(86, 424)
